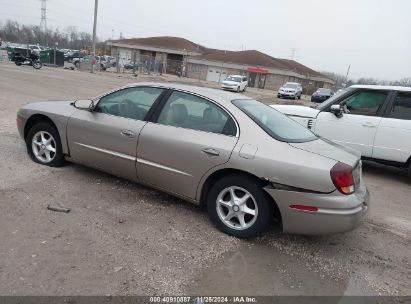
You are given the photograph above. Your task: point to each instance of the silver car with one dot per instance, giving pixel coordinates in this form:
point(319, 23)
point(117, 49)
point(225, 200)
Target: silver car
point(247, 162)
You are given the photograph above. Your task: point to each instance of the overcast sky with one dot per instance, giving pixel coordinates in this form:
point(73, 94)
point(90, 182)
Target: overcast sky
point(374, 36)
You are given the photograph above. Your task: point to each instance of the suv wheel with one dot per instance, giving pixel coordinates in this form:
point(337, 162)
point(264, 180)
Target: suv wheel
point(44, 145)
point(238, 206)
point(238, 89)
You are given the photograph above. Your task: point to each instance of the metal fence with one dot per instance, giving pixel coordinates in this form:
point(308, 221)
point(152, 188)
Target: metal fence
point(135, 63)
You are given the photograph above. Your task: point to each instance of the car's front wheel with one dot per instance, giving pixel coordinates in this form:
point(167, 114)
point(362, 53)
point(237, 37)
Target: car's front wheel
point(44, 145)
point(238, 206)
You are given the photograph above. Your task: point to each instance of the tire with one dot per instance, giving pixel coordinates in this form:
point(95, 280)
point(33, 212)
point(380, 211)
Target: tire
point(245, 88)
point(18, 63)
point(37, 133)
point(76, 64)
point(258, 202)
point(238, 89)
point(37, 65)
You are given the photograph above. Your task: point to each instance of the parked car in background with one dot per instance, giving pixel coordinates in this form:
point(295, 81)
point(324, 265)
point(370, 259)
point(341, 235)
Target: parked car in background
point(208, 147)
point(374, 120)
point(236, 83)
point(321, 95)
point(74, 57)
point(290, 90)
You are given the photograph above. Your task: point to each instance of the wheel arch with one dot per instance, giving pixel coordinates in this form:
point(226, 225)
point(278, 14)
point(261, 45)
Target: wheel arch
point(216, 175)
point(35, 119)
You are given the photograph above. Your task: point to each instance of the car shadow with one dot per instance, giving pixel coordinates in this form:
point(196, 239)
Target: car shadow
point(397, 174)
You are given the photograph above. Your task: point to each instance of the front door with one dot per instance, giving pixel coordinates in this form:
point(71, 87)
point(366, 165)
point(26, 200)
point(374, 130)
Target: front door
point(106, 138)
point(358, 125)
point(190, 136)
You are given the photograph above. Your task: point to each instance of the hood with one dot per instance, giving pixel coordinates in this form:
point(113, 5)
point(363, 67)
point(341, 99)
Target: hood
point(229, 82)
point(287, 89)
point(301, 111)
point(329, 149)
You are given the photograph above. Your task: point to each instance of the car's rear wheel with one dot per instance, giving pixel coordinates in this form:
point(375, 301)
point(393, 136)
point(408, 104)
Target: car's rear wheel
point(44, 145)
point(245, 88)
point(238, 89)
point(238, 206)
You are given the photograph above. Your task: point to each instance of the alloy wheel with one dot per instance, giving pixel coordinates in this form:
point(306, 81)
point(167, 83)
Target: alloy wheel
point(43, 146)
point(237, 208)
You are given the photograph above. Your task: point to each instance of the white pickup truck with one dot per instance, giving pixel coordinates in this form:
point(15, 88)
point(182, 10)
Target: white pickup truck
point(375, 120)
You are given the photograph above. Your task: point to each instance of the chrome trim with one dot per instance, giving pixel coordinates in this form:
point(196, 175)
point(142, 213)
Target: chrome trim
point(110, 152)
point(156, 165)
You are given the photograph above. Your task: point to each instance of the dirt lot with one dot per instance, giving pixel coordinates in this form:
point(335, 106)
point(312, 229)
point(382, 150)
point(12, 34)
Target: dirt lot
point(125, 239)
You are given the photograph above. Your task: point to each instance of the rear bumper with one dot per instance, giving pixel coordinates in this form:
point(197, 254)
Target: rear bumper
point(336, 212)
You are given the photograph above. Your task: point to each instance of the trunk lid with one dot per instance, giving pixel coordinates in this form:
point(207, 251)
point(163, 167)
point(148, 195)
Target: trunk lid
point(330, 150)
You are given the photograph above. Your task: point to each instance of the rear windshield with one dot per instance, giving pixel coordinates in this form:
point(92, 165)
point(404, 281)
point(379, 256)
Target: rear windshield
point(276, 124)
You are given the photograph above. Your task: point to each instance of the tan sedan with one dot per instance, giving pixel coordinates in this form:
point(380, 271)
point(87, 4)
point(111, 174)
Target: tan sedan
point(246, 161)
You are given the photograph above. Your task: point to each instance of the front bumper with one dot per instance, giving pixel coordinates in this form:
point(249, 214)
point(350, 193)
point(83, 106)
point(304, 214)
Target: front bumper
point(286, 94)
point(336, 212)
point(225, 87)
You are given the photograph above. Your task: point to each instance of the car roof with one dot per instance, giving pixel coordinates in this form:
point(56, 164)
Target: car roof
point(236, 75)
point(214, 94)
point(381, 87)
point(293, 82)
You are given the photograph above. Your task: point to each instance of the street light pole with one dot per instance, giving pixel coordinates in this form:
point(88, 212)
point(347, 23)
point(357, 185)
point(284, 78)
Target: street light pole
point(94, 32)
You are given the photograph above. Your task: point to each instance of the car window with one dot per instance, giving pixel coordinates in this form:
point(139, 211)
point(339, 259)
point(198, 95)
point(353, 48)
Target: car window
point(129, 103)
point(402, 106)
point(193, 112)
point(276, 124)
point(365, 102)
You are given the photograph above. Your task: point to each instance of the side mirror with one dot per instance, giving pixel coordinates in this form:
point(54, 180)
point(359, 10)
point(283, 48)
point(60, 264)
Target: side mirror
point(336, 110)
point(84, 104)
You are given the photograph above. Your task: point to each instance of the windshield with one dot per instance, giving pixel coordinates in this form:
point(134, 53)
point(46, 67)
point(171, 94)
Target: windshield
point(276, 124)
point(236, 79)
point(332, 99)
point(324, 91)
point(290, 85)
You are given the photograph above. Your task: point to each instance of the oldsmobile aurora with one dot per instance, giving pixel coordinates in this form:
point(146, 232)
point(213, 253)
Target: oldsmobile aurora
point(246, 161)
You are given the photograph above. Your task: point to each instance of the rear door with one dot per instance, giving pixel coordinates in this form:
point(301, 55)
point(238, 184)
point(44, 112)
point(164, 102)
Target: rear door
point(189, 135)
point(393, 139)
point(106, 138)
point(358, 125)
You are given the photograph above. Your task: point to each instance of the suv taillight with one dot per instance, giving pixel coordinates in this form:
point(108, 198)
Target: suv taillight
point(342, 177)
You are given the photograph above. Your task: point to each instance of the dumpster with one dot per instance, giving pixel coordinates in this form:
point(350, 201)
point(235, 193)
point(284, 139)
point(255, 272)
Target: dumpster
point(47, 57)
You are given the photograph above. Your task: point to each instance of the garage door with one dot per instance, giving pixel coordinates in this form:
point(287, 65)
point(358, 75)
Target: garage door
point(216, 74)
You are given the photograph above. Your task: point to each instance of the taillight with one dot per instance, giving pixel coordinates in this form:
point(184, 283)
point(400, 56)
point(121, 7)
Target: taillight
point(341, 175)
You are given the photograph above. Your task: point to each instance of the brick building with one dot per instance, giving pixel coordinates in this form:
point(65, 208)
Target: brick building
point(204, 63)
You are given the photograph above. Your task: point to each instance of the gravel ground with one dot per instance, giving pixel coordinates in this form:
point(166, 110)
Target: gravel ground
point(125, 239)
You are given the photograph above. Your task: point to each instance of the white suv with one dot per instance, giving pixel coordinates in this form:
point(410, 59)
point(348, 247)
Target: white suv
point(375, 120)
point(291, 90)
point(235, 83)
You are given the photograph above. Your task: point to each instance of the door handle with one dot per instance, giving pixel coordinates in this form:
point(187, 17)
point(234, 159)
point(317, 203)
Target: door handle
point(127, 133)
point(210, 151)
point(368, 124)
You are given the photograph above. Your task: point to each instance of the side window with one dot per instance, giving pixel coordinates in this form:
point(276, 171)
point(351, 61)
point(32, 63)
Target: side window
point(365, 102)
point(192, 112)
point(129, 103)
point(401, 108)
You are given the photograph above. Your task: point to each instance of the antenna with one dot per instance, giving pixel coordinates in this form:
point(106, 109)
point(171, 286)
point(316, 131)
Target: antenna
point(43, 22)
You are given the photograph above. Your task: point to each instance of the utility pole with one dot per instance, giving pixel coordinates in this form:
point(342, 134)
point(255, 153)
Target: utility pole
point(94, 32)
point(43, 22)
point(346, 75)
